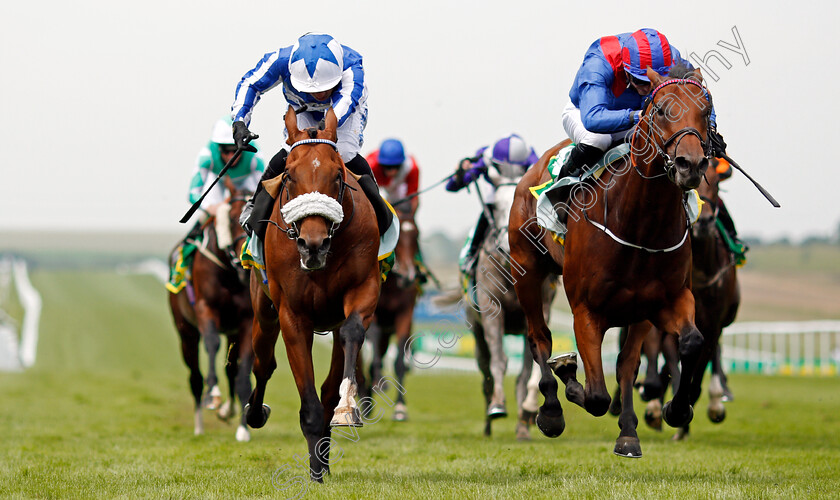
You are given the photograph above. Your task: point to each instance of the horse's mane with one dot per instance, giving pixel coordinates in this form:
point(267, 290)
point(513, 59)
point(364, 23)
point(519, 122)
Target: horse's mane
point(683, 71)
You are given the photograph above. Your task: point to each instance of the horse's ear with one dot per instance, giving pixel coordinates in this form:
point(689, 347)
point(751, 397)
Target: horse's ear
point(291, 125)
point(695, 74)
point(654, 77)
point(331, 124)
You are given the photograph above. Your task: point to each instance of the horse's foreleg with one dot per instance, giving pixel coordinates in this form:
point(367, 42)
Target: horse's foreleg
point(245, 358)
point(226, 410)
point(403, 327)
point(527, 386)
point(190, 337)
point(589, 334)
point(550, 418)
point(493, 326)
point(350, 337)
point(482, 357)
point(627, 368)
point(717, 369)
point(652, 387)
point(680, 320)
point(265, 330)
point(208, 325)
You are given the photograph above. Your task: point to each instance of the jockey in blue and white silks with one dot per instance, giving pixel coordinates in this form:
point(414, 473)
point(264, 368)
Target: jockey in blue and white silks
point(316, 73)
point(315, 64)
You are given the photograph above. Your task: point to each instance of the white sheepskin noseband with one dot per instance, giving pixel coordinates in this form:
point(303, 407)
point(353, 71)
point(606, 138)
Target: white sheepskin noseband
point(313, 203)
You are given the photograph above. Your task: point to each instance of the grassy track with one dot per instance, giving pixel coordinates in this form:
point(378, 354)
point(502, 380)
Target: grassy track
point(106, 413)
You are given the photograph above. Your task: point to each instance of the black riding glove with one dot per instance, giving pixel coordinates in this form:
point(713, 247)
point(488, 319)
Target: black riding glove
point(718, 144)
point(242, 136)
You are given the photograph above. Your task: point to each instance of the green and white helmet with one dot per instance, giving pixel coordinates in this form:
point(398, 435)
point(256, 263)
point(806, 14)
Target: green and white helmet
point(223, 132)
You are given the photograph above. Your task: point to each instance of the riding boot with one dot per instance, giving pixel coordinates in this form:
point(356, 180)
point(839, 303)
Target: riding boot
point(470, 259)
point(582, 155)
point(258, 209)
point(359, 166)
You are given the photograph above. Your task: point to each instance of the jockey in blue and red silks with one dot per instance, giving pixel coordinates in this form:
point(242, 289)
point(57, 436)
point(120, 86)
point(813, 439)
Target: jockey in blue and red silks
point(608, 92)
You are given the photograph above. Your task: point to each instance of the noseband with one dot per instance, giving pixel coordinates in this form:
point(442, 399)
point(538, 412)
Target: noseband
point(312, 203)
point(679, 135)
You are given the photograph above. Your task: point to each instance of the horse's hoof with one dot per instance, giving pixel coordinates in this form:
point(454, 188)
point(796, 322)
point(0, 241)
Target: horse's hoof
point(628, 447)
point(681, 434)
point(615, 407)
point(496, 411)
point(574, 393)
point(727, 396)
point(653, 415)
point(551, 426)
point(650, 391)
point(213, 398)
point(226, 411)
point(256, 419)
point(346, 417)
point(400, 413)
point(522, 432)
point(529, 417)
point(242, 434)
point(716, 415)
point(676, 420)
point(564, 366)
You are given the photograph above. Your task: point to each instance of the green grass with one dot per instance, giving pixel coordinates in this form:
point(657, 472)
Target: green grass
point(815, 258)
point(106, 413)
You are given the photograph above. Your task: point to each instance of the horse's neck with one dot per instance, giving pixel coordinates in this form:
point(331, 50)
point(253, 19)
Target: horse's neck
point(709, 255)
point(650, 209)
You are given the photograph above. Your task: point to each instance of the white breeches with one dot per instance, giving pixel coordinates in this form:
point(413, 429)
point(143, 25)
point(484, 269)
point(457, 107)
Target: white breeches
point(573, 125)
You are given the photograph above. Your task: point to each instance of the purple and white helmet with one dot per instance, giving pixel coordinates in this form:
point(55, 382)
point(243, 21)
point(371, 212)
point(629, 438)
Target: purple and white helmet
point(316, 63)
point(511, 150)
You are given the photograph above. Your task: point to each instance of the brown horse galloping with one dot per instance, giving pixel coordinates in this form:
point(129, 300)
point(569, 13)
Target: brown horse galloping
point(323, 274)
point(395, 311)
point(626, 258)
point(222, 306)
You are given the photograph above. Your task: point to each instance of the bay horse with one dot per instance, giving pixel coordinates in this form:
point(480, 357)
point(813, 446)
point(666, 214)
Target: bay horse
point(322, 274)
point(625, 259)
point(221, 306)
point(395, 310)
point(714, 283)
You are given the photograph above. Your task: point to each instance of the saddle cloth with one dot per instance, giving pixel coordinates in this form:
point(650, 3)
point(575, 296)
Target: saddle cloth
point(546, 214)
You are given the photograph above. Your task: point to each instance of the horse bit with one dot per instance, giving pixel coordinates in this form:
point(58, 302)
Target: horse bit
point(678, 136)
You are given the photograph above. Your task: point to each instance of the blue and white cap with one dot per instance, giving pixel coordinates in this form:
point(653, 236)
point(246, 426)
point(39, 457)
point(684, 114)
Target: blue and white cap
point(316, 63)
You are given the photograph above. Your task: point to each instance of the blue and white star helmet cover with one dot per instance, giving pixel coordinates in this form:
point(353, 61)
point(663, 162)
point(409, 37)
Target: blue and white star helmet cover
point(316, 63)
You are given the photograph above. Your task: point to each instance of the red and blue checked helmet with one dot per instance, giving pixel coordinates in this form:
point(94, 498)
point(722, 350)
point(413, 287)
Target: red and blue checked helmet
point(646, 47)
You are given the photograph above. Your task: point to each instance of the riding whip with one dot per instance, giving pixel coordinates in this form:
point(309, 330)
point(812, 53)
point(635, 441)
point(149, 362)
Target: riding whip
point(197, 204)
point(757, 185)
point(418, 193)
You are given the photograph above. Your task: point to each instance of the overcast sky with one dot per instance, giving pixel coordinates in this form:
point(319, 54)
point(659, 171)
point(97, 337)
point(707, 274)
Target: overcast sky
point(107, 103)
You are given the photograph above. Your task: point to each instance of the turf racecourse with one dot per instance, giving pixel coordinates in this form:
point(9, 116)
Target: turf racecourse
point(106, 413)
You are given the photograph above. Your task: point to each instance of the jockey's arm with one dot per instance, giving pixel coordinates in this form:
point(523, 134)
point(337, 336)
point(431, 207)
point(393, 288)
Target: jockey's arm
point(595, 115)
point(268, 72)
point(352, 86)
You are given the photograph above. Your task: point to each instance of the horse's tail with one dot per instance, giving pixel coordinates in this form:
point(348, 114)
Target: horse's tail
point(448, 298)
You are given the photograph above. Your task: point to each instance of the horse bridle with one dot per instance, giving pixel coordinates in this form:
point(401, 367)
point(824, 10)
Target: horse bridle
point(679, 135)
point(292, 231)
